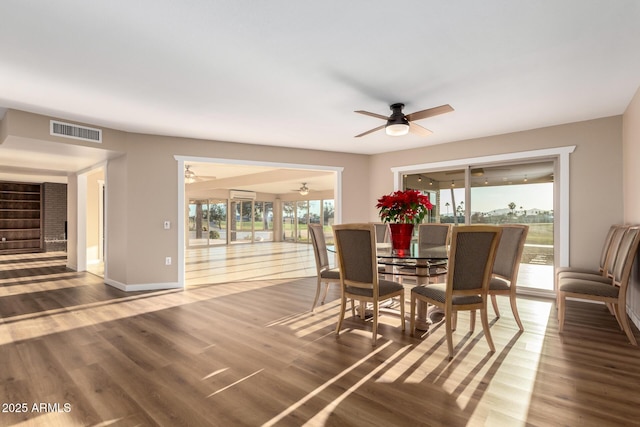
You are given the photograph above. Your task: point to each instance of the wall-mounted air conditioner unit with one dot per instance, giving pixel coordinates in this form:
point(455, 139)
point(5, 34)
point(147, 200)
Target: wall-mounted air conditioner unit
point(242, 195)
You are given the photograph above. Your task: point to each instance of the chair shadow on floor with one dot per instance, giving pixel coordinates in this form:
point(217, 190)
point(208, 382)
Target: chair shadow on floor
point(435, 384)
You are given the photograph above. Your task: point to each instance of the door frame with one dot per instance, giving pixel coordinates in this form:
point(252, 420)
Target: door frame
point(182, 160)
point(561, 185)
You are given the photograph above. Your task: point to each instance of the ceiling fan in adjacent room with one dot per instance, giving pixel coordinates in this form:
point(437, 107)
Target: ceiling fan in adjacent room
point(190, 176)
point(304, 190)
point(400, 124)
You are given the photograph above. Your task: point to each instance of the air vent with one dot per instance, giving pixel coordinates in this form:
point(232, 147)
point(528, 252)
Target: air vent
point(67, 130)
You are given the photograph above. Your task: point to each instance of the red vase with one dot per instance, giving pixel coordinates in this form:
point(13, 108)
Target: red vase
point(401, 235)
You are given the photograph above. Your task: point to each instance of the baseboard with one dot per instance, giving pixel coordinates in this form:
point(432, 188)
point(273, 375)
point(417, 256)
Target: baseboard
point(143, 286)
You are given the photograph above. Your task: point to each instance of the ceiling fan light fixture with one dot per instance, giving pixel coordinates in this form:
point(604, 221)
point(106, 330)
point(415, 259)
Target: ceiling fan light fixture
point(304, 190)
point(397, 125)
point(398, 129)
point(189, 175)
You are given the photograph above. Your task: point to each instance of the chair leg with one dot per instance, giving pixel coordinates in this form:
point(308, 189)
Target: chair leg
point(412, 316)
point(487, 330)
point(472, 320)
point(326, 291)
point(561, 307)
point(449, 319)
point(375, 323)
point(343, 307)
point(624, 319)
point(315, 300)
point(494, 303)
point(454, 320)
point(614, 309)
point(514, 310)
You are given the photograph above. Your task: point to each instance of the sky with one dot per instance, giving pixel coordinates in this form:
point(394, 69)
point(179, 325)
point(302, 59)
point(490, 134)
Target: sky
point(486, 199)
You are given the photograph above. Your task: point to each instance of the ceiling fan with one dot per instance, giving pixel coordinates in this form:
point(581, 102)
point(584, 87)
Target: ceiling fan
point(400, 124)
point(190, 176)
point(304, 190)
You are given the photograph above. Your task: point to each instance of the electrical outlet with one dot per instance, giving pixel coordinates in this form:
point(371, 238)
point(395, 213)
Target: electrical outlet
point(167, 225)
point(167, 261)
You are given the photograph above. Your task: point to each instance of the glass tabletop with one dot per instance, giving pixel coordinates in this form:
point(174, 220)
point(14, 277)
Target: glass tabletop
point(415, 252)
point(386, 253)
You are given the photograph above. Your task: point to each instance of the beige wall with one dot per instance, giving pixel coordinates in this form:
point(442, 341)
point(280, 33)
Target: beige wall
point(116, 227)
point(142, 185)
point(631, 173)
point(142, 191)
point(595, 178)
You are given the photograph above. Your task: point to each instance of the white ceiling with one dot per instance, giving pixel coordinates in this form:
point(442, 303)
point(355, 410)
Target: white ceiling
point(291, 73)
point(261, 179)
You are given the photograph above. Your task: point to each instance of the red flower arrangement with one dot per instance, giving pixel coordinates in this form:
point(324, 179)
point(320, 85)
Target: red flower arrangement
point(404, 207)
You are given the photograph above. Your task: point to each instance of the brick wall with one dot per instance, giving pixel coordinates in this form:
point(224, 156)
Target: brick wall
point(55, 216)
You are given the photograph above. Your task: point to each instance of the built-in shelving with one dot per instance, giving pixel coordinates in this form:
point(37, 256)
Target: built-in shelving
point(20, 217)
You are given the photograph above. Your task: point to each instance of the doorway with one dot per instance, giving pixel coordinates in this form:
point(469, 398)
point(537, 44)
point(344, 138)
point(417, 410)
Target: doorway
point(94, 221)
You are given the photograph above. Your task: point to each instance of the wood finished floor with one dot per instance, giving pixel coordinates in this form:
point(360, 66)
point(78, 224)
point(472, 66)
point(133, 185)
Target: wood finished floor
point(251, 354)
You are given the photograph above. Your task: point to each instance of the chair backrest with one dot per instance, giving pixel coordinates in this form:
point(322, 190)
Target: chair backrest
point(607, 247)
point(471, 258)
point(356, 248)
point(625, 257)
point(434, 234)
point(383, 233)
point(509, 251)
point(612, 249)
point(319, 247)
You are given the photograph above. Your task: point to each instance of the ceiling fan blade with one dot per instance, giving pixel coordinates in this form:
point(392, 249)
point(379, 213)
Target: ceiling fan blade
point(419, 130)
point(367, 113)
point(371, 131)
point(429, 112)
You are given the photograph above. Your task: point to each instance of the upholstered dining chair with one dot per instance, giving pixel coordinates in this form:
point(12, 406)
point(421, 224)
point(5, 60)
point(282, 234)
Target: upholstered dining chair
point(607, 259)
point(471, 258)
point(613, 294)
point(383, 236)
point(325, 273)
point(359, 279)
point(506, 266)
point(434, 234)
point(383, 233)
point(604, 273)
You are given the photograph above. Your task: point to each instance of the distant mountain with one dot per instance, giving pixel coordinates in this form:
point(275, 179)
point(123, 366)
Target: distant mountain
point(505, 211)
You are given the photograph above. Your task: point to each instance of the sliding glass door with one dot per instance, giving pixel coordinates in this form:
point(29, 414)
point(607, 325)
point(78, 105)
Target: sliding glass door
point(514, 193)
point(520, 194)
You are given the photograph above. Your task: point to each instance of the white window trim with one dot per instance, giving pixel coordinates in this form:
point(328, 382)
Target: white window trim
point(561, 180)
